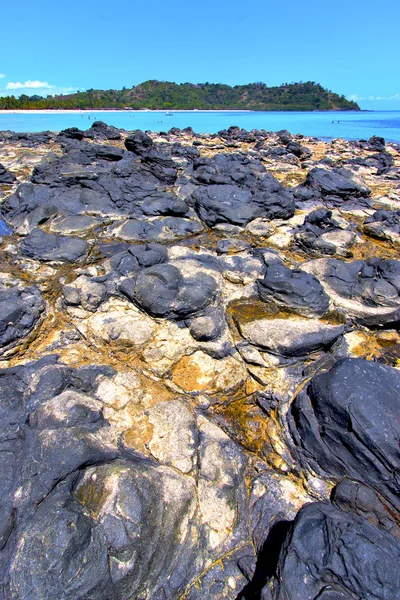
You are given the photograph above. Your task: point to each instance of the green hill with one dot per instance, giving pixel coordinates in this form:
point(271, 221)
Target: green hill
point(165, 95)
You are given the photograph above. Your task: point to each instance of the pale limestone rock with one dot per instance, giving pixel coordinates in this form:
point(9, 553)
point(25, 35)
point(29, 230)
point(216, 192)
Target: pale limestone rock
point(117, 392)
point(290, 336)
point(120, 322)
point(167, 346)
point(220, 483)
point(174, 435)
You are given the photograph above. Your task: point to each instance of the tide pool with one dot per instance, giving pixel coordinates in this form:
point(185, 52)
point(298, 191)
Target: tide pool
point(324, 125)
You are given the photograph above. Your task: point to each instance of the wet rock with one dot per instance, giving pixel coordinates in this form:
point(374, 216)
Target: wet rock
point(344, 424)
point(162, 291)
point(49, 247)
point(294, 289)
point(21, 308)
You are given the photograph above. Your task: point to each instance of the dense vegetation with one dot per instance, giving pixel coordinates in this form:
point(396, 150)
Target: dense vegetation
point(166, 96)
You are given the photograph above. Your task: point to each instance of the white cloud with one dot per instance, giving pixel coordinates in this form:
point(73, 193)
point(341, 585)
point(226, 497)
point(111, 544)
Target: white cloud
point(356, 98)
point(28, 85)
point(2, 75)
point(36, 87)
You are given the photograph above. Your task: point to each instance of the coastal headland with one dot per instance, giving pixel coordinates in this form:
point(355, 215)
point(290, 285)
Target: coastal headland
point(199, 366)
point(166, 95)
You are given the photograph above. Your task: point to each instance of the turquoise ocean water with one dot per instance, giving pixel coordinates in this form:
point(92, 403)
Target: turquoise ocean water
point(325, 125)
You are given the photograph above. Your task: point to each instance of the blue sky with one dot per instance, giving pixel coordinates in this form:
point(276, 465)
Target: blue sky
point(351, 47)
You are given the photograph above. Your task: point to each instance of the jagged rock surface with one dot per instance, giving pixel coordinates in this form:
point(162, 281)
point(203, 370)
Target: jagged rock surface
point(191, 361)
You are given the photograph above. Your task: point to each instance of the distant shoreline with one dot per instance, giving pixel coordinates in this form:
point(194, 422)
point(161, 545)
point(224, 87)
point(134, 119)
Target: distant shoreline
point(45, 111)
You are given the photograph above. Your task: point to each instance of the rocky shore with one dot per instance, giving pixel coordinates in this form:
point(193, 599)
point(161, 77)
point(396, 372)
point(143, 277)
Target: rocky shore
point(199, 366)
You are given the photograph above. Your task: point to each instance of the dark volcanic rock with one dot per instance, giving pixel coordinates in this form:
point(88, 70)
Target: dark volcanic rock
point(228, 169)
point(368, 290)
point(162, 291)
point(138, 257)
point(332, 554)
point(323, 235)
point(72, 133)
point(138, 142)
point(377, 143)
point(298, 150)
point(294, 289)
point(102, 131)
point(20, 310)
point(384, 224)
point(33, 140)
point(6, 176)
point(345, 423)
point(155, 230)
point(336, 182)
point(44, 246)
point(231, 204)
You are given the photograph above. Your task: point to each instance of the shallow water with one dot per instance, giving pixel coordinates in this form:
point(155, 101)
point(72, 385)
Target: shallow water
point(325, 125)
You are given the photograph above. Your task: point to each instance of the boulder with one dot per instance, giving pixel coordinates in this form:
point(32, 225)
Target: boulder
point(294, 289)
point(6, 177)
point(21, 308)
point(102, 131)
point(162, 291)
point(333, 554)
point(138, 142)
point(335, 182)
point(368, 291)
point(345, 424)
point(49, 247)
point(290, 337)
point(231, 204)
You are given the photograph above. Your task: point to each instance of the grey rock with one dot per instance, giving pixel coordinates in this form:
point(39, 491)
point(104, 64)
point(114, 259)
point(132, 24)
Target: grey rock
point(294, 289)
point(162, 291)
point(344, 424)
point(290, 337)
point(367, 290)
point(208, 327)
point(49, 247)
point(6, 177)
point(333, 554)
point(21, 308)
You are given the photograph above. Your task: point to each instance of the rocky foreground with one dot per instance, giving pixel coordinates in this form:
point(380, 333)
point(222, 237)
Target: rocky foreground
point(200, 366)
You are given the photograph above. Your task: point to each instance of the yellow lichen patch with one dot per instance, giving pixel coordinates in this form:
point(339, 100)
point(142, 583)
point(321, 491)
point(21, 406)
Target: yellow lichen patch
point(257, 432)
point(289, 178)
point(373, 247)
point(381, 345)
point(200, 373)
point(247, 312)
